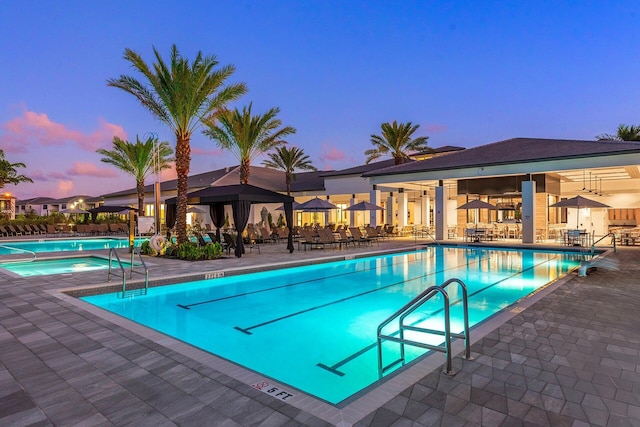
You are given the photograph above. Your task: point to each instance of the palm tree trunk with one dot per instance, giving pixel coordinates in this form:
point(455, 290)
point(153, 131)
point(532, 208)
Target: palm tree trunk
point(140, 190)
point(244, 171)
point(287, 178)
point(183, 160)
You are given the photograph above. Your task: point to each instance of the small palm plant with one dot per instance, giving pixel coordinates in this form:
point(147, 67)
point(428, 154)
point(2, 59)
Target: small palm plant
point(289, 160)
point(396, 140)
point(624, 133)
point(247, 136)
point(139, 160)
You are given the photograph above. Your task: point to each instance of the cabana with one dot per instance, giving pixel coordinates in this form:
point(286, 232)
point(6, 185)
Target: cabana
point(240, 197)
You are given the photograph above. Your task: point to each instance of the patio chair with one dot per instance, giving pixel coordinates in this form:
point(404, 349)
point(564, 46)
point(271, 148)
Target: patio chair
point(3, 231)
point(229, 242)
point(358, 237)
point(266, 236)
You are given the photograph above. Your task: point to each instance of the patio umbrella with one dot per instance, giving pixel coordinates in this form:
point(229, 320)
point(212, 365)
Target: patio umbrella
point(477, 204)
point(364, 206)
point(316, 205)
point(296, 206)
point(579, 202)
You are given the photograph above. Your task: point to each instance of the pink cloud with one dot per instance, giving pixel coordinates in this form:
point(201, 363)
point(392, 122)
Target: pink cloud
point(38, 128)
point(329, 153)
point(65, 188)
point(90, 169)
point(57, 175)
point(202, 152)
point(436, 128)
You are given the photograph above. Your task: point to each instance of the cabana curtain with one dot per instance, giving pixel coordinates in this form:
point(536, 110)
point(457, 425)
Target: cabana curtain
point(216, 211)
point(241, 209)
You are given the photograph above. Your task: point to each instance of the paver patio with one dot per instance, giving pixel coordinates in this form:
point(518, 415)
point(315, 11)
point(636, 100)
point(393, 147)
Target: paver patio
point(571, 358)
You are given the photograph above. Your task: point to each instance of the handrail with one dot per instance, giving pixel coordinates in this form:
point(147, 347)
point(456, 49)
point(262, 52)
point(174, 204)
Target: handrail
point(19, 250)
point(134, 251)
point(112, 252)
point(412, 306)
point(426, 231)
point(602, 238)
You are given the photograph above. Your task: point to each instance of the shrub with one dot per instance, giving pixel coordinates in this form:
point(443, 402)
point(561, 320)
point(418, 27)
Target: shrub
point(212, 250)
point(146, 249)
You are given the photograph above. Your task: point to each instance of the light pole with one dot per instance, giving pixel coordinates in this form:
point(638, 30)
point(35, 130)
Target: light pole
point(156, 185)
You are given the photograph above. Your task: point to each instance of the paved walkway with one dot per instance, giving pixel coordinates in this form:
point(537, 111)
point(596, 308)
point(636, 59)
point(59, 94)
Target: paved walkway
point(571, 358)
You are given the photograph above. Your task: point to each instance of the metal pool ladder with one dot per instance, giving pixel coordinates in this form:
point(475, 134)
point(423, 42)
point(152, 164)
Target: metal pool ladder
point(412, 306)
point(138, 291)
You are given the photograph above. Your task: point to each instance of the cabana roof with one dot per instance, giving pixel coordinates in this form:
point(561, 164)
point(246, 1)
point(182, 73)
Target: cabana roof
point(228, 193)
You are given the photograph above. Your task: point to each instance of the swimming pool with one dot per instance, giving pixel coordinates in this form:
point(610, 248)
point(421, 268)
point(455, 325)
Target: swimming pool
point(59, 266)
point(55, 245)
point(314, 327)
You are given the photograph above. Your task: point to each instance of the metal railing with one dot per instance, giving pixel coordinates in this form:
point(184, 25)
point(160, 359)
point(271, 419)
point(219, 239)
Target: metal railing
point(613, 239)
point(135, 250)
point(411, 307)
point(33, 254)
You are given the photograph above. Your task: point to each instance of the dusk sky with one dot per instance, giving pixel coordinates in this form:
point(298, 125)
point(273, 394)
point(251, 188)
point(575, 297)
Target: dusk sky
point(469, 73)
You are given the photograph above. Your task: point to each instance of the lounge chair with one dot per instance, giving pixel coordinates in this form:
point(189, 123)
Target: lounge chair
point(358, 237)
point(266, 236)
point(14, 230)
point(3, 231)
point(308, 239)
point(229, 242)
point(212, 236)
point(345, 239)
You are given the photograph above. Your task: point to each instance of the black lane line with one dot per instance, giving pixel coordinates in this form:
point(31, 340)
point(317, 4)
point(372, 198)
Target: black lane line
point(247, 330)
point(335, 367)
point(188, 306)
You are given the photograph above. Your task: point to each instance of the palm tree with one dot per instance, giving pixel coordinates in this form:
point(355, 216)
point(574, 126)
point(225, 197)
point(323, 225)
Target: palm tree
point(248, 136)
point(288, 160)
point(396, 139)
point(182, 95)
point(625, 133)
point(8, 172)
point(139, 159)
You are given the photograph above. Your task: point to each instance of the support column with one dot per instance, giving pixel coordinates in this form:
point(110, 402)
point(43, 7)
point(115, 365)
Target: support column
point(528, 211)
point(425, 203)
point(326, 214)
point(391, 209)
point(374, 197)
point(352, 214)
point(440, 212)
point(402, 208)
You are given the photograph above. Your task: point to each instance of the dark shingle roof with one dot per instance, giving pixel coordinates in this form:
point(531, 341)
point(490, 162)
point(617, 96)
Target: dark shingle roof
point(515, 150)
point(359, 170)
point(308, 181)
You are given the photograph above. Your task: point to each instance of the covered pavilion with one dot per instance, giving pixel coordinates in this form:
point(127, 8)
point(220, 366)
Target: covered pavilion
point(240, 197)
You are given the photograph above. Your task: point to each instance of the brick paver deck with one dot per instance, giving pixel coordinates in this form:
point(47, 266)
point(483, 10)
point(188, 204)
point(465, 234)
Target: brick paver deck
point(571, 358)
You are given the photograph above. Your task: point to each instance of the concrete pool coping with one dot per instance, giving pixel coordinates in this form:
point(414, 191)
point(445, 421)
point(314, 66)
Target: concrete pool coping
point(354, 408)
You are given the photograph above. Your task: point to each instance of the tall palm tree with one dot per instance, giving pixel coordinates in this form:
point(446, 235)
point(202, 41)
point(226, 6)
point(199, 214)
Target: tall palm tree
point(139, 159)
point(289, 160)
point(248, 136)
point(396, 139)
point(182, 95)
point(8, 172)
point(625, 133)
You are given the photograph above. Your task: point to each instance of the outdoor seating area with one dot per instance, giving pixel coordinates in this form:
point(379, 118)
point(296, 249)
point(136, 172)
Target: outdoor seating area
point(63, 230)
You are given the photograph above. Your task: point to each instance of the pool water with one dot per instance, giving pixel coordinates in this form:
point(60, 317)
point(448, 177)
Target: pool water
point(59, 266)
point(314, 327)
point(55, 245)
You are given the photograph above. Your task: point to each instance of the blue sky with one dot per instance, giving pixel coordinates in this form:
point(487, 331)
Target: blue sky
point(469, 73)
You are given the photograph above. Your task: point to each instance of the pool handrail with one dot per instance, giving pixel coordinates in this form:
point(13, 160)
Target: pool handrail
point(34, 256)
point(613, 239)
point(135, 250)
point(409, 308)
